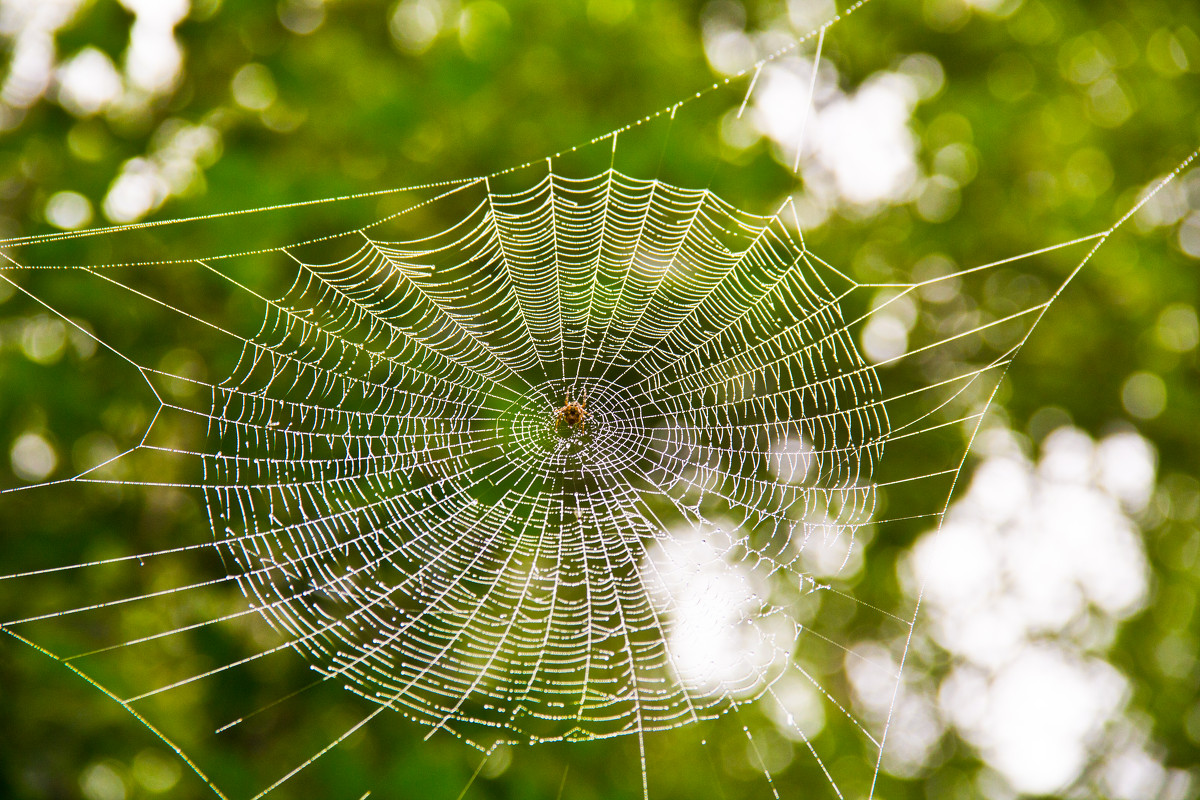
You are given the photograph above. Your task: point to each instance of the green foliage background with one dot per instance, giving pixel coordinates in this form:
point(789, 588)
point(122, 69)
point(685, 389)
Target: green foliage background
point(513, 83)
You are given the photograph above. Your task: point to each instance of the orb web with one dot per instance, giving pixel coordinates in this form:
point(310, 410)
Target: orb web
point(394, 493)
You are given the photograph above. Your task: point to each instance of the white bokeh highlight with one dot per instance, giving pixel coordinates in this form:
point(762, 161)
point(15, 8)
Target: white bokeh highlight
point(720, 640)
point(173, 167)
point(154, 60)
point(32, 457)
point(854, 148)
point(88, 83)
point(68, 210)
point(1024, 587)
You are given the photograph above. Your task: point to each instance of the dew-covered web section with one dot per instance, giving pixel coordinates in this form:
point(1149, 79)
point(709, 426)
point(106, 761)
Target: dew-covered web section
point(395, 490)
point(393, 485)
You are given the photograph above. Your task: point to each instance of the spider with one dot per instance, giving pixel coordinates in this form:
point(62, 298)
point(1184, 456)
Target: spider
point(572, 413)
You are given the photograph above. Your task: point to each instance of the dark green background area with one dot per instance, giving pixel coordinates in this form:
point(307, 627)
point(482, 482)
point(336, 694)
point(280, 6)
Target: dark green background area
point(529, 80)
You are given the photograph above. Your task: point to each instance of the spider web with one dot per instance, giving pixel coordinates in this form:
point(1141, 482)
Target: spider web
point(387, 489)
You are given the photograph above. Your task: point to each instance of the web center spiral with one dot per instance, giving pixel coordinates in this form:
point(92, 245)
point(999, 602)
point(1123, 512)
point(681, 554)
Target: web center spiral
point(607, 441)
